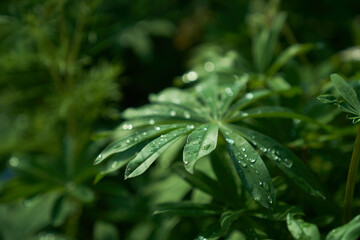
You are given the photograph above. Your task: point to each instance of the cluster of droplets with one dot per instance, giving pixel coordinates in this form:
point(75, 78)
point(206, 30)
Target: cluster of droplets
point(275, 154)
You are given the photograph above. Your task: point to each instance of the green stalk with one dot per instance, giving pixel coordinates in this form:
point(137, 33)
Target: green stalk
point(351, 180)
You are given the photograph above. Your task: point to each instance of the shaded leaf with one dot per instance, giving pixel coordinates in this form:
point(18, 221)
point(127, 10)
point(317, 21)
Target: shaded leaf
point(346, 91)
point(250, 167)
point(188, 209)
point(302, 230)
point(284, 159)
point(349, 231)
point(288, 54)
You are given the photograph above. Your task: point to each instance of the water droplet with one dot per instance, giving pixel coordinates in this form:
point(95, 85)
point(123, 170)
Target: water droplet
point(191, 76)
point(115, 164)
point(229, 140)
point(245, 155)
point(261, 183)
point(243, 149)
point(127, 126)
point(244, 114)
point(14, 162)
point(264, 150)
point(242, 163)
point(151, 121)
point(157, 128)
point(173, 113)
point(270, 199)
point(191, 126)
point(186, 162)
point(257, 172)
point(128, 141)
point(288, 162)
point(206, 147)
point(252, 160)
point(205, 129)
point(144, 133)
point(229, 91)
point(249, 96)
point(209, 66)
point(187, 115)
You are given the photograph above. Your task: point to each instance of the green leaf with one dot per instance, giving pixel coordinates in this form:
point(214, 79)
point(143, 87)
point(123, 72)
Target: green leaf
point(127, 142)
point(200, 142)
point(168, 112)
point(250, 167)
point(202, 182)
point(328, 98)
point(227, 218)
point(227, 176)
point(288, 54)
point(301, 230)
point(346, 91)
point(105, 231)
point(61, 210)
point(229, 93)
point(284, 159)
point(248, 99)
point(119, 160)
point(279, 213)
point(175, 96)
point(349, 231)
point(188, 209)
point(208, 92)
point(276, 112)
point(153, 150)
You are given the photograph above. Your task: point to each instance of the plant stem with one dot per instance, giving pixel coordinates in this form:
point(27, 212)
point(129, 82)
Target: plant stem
point(351, 180)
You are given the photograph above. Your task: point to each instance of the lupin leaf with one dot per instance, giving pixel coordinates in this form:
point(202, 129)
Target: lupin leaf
point(349, 231)
point(153, 150)
point(346, 91)
point(250, 167)
point(135, 138)
point(200, 142)
point(301, 230)
point(284, 159)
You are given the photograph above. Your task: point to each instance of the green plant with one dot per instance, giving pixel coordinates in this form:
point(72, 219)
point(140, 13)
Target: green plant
point(349, 103)
point(200, 114)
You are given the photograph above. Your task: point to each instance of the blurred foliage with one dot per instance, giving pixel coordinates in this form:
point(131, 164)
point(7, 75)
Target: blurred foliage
point(69, 68)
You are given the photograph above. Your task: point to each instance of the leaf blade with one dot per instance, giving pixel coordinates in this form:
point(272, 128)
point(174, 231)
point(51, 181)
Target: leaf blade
point(250, 167)
point(201, 142)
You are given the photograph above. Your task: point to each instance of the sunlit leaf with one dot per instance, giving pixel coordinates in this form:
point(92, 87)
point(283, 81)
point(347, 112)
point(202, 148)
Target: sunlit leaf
point(200, 142)
point(153, 150)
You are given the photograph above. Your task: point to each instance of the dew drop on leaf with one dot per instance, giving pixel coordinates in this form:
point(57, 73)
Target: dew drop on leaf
point(288, 162)
point(173, 113)
point(14, 162)
point(157, 128)
point(249, 96)
point(229, 140)
point(243, 149)
point(151, 121)
point(187, 115)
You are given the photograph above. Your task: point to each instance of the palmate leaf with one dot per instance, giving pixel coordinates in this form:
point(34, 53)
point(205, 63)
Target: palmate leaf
point(199, 113)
